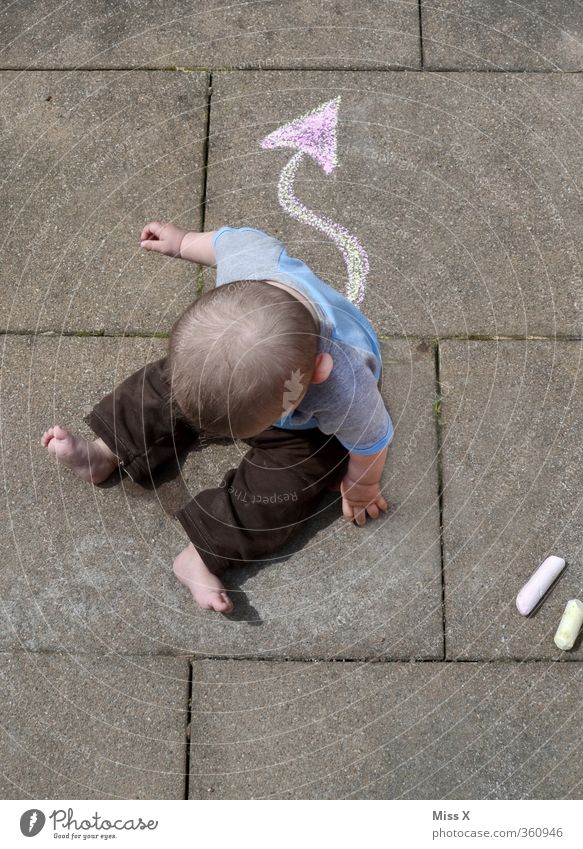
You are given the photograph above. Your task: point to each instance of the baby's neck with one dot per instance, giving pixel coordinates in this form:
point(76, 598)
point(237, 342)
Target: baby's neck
point(308, 304)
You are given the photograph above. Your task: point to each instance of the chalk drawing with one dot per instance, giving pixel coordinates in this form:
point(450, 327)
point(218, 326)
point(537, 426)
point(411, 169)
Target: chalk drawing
point(314, 134)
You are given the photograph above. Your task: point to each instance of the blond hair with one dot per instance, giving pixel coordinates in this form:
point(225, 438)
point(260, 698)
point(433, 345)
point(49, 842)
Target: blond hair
point(239, 354)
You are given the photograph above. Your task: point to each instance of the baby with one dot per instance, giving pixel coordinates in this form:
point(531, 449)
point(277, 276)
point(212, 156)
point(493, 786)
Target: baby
point(272, 356)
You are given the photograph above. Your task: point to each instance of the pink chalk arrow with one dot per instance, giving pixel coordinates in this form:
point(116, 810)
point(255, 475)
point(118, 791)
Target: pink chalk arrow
point(314, 134)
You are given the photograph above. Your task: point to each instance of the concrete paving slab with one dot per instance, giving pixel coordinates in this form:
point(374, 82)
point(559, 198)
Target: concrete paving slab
point(89, 158)
point(88, 569)
point(462, 188)
point(512, 491)
point(92, 728)
point(279, 33)
point(542, 35)
point(385, 730)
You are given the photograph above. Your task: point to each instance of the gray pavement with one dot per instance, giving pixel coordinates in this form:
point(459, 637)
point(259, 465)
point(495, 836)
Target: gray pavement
point(384, 730)
point(88, 155)
point(91, 727)
point(541, 35)
point(295, 33)
point(511, 491)
point(382, 662)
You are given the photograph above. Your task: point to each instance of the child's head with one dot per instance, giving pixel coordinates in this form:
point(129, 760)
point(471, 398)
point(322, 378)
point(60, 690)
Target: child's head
point(240, 357)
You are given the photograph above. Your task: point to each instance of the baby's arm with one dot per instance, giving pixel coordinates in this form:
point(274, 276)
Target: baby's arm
point(170, 240)
point(360, 488)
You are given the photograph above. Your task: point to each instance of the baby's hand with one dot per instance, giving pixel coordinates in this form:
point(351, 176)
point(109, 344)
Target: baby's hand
point(163, 238)
point(358, 499)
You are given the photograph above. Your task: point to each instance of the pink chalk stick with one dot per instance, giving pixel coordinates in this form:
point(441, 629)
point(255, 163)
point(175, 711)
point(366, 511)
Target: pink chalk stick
point(540, 581)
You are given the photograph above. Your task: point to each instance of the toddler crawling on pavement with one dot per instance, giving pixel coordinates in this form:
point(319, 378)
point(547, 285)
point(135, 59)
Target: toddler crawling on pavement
point(272, 356)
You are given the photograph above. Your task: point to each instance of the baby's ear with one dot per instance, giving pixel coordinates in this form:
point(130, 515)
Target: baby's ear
point(322, 368)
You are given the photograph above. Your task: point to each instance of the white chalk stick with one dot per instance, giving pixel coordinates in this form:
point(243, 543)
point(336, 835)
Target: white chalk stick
point(535, 588)
point(570, 625)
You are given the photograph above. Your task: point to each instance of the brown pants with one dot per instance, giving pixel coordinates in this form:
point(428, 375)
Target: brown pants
point(257, 506)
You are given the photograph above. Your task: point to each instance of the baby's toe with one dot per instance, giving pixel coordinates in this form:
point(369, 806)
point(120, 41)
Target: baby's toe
point(222, 603)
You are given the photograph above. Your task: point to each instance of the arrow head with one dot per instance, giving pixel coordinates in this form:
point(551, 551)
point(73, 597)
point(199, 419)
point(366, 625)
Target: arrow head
point(313, 133)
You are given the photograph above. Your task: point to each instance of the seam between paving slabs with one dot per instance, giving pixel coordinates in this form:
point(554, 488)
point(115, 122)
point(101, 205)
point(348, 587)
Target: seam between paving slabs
point(471, 337)
point(193, 658)
point(484, 337)
point(205, 151)
point(205, 165)
point(380, 661)
point(187, 730)
point(252, 68)
point(86, 333)
point(421, 57)
point(439, 462)
point(199, 291)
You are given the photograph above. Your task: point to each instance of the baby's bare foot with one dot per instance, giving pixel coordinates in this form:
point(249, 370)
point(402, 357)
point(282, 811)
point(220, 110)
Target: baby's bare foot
point(92, 461)
point(207, 590)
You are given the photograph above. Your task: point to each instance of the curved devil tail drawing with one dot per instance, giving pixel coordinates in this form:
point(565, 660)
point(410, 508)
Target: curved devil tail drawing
point(315, 134)
point(354, 255)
